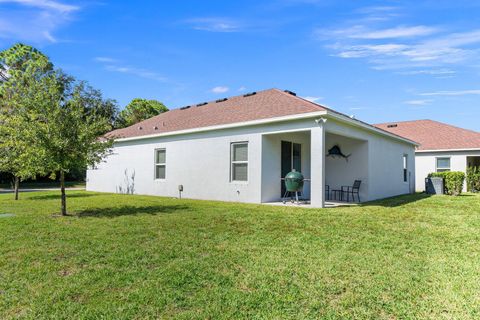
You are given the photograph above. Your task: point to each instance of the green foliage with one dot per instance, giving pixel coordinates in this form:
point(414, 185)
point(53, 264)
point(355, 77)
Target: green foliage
point(69, 126)
point(138, 110)
point(50, 123)
point(453, 181)
point(25, 72)
point(473, 179)
point(92, 102)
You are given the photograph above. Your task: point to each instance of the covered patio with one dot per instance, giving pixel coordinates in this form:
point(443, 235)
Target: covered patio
point(328, 159)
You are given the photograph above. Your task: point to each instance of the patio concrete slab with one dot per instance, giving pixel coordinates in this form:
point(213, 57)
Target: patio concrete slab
point(306, 204)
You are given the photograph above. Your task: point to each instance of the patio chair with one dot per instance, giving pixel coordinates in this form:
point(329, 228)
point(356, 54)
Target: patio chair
point(327, 192)
point(352, 190)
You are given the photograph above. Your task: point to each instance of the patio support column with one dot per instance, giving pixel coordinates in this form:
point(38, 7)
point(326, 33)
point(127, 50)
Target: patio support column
point(317, 163)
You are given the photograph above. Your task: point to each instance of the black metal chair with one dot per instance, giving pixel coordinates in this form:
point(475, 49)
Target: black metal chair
point(327, 192)
point(352, 190)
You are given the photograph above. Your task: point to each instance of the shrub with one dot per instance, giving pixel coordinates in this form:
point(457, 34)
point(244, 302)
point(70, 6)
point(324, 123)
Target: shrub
point(473, 179)
point(453, 181)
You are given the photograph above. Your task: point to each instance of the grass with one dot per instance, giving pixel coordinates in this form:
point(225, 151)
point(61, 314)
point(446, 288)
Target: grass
point(137, 257)
point(44, 184)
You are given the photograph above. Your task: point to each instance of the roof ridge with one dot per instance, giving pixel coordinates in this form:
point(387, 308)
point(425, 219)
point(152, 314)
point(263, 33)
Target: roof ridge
point(430, 120)
point(404, 121)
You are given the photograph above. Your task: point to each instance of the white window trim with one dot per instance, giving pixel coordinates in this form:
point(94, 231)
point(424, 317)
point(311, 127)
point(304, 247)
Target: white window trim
point(157, 164)
point(232, 162)
point(444, 169)
point(405, 177)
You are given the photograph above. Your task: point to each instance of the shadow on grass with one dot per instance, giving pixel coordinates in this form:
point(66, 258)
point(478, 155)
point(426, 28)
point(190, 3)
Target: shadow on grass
point(57, 196)
point(112, 212)
point(398, 200)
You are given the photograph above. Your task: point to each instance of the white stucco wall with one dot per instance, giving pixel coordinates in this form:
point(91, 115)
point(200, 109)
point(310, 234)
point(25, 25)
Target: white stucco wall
point(426, 163)
point(385, 162)
point(201, 163)
point(342, 172)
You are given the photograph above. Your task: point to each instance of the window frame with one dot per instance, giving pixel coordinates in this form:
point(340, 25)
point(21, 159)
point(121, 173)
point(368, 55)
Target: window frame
point(443, 169)
point(405, 167)
point(159, 164)
point(233, 162)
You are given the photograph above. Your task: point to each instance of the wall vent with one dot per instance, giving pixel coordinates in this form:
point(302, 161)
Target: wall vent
point(290, 92)
point(249, 94)
point(221, 100)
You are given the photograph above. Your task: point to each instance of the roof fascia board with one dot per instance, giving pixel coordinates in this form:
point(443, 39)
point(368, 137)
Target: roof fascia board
point(301, 116)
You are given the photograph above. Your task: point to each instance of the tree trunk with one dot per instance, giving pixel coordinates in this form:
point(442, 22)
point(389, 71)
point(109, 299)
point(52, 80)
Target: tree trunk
point(16, 186)
point(64, 196)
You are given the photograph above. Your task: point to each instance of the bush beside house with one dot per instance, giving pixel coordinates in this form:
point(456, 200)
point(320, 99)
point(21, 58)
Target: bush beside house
point(473, 179)
point(453, 181)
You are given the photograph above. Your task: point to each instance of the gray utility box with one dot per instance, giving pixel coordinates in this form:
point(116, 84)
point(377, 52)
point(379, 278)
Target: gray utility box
point(434, 186)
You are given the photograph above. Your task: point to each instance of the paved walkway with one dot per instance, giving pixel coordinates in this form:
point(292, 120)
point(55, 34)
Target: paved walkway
point(4, 190)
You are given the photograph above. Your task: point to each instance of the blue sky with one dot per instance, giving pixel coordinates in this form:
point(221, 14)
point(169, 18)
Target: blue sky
point(378, 60)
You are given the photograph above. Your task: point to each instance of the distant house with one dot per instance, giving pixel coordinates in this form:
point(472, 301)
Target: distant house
point(442, 147)
point(239, 148)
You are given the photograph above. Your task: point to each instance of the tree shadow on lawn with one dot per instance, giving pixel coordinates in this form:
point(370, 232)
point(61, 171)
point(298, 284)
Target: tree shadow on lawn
point(112, 212)
point(397, 201)
point(58, 196)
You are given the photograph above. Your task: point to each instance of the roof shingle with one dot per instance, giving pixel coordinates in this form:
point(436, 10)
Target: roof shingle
point(265, 104)
point(433, 135)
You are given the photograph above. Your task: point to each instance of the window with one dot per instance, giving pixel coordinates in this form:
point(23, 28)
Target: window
point(443, 164)
point(160, 163)
point(239, 161)
point(405, 168)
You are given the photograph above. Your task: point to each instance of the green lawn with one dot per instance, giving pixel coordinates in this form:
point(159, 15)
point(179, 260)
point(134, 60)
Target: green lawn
point(137, 257)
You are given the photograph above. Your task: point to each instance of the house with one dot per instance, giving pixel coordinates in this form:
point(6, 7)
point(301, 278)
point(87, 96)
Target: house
point(442, 147)
point(239, 148)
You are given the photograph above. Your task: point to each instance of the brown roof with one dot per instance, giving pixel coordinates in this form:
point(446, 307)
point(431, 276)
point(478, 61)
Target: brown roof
point(433, 135)
point(265, 104)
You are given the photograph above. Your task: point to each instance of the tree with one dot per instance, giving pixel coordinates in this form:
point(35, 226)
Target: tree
point(23, 72)
point(138, 110)
point(69, 126)
point(92, 101)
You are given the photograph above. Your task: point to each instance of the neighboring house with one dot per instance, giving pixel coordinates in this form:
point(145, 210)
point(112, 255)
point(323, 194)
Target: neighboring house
point(442, 147)
point(238, 149)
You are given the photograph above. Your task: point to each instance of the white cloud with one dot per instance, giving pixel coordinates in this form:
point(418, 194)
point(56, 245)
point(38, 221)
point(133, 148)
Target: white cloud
point(313, 99)
point(451, 49)
point(362, 32)
point(215, 24)
point(219, 89)
point(387, 45)
point(114, 65)
point(44, 4)
point(435, 72)
point(452, 93)
point(105, 59)
point(34, 20)
point(418, 102)
point(242, 88)
point(398, 32)
point(142, 73)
